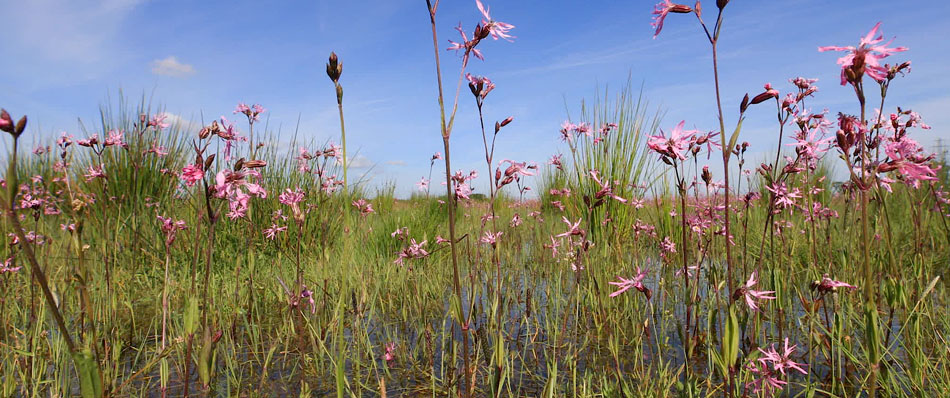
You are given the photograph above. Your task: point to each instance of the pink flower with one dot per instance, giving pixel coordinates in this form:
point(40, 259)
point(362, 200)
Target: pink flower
point(662, 9)
point(782, 361)
point(751, 296)
point(605, 188)
point(906, 157)
point(191, 174)
point(365, 208)
point(89, 141)
point(423, 184)
point(574, 229)
point(625, 284)
point(497, 29)
point(94, 172)
point(115, 138)
point(675, 145)
point(412, 251)
point(467, 45)
point(436, 156)
point(829, 285)
point(7, 265)
point(556, 161)
point(812, 146)
point(490, 238)
point(252, 112)
point(390, 354)
point(291, 197)
point(158, 121)
point(274, 229)
point(765, 382)
point(783, 197)
point(238, 187)
point(865, 58)
point(170, 228)
point(479, 85)
point(515, 221)
point(555, 243)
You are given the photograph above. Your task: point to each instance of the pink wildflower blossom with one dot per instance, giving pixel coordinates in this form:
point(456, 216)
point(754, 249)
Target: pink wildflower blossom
point(865, 58)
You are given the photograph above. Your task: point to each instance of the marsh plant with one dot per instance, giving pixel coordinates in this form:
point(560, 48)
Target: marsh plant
point(645, 258)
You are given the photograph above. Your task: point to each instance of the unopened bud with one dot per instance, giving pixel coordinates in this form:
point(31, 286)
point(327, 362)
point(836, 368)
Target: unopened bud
point(507, 121)
point(886, 167)
point(334, 68)
point(681, 9)
point(721, 3)
point(763, 97)
point(208, 162)
point(239, 165)
point(744, 104)
point(20, 126)
point(255, 164)
point(707, 176)
point(698, 8)
point(6, 123)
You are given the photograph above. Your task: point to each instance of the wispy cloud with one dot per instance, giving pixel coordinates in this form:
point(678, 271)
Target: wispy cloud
point(360, 162)
point(397, 163)
point(170, 66)
point(187, 125)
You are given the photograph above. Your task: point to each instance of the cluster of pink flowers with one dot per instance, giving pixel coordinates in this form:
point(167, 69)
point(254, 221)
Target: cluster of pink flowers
point(514, 172)
point(238, 187)
point(364, 207)
point(570, 130)
point(461, 183)
point(170, 228)
point(253, 112)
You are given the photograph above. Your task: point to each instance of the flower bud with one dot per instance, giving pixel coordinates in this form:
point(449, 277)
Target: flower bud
point(334, 68)
point(208, 162)
point(20, 126)
point(681, 9)
point(255, 164)
point(239, 165)
point(707, 176)
point(6, 123)
point(339, 94)
point(744, 104)
point(507, 121)
point(721, 3)
point(886, 167)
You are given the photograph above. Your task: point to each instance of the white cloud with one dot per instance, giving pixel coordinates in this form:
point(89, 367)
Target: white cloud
point(169, 66)
point(360, 162)
point(186, 125)
point(397, 163)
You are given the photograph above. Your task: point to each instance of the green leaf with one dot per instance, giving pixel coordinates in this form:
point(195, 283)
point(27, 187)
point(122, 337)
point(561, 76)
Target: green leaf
point(90, 381)
point(191, 316)
point(730, 341)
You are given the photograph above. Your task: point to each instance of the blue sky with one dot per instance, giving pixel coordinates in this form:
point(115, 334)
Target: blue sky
point(63, 58)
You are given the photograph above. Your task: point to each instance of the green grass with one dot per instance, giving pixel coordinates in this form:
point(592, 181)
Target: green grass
point(559, 334)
